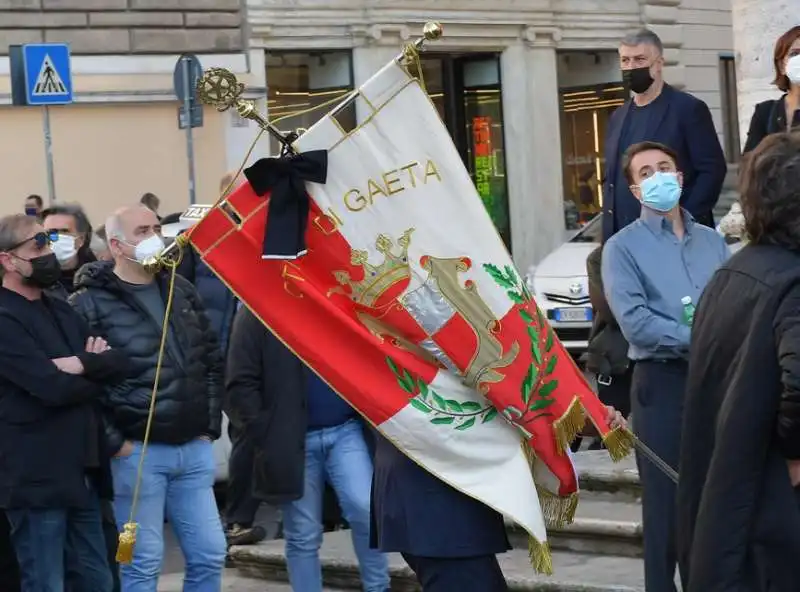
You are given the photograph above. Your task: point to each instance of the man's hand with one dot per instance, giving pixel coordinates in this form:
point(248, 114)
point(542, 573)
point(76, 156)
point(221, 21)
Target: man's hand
point(615, 419)
point(70, 365)
point(794, 472)
point(126, 450)
point(96, 345)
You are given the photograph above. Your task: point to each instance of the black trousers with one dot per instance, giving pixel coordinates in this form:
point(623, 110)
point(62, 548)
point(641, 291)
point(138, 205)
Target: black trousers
point(657, 396)
point(458, 574)
point(9, 570)
point(241, 506)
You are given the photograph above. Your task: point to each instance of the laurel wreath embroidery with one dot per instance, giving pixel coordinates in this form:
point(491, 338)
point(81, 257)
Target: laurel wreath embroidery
point(461, 415)
point(537, 387)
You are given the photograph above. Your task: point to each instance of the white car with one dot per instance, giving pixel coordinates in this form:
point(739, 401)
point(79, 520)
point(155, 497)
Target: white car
point(560, 287)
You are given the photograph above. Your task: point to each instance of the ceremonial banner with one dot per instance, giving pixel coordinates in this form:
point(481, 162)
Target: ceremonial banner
point(407, 303)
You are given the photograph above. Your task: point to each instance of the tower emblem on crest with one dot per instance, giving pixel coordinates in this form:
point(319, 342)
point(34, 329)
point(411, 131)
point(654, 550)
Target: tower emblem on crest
point(443, 314)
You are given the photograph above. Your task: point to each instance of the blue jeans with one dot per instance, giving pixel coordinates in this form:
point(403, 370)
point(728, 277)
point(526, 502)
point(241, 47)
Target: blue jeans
point(339, 454)
point(178, 481)
point(50, 540)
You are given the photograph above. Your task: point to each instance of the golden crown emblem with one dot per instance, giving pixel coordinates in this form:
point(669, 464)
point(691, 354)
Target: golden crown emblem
point(378, 278)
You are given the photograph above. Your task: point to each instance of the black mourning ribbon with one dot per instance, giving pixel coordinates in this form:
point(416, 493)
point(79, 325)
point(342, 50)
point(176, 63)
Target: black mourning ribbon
point(287, 214)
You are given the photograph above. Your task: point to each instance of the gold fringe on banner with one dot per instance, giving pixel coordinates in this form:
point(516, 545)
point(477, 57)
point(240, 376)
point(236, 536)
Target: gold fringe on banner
point(568, 426)
point(619, 442)
point(557, 511)
point(540, 556)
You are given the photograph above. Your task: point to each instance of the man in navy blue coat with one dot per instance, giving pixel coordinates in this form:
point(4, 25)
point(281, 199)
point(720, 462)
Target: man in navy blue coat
point(660, 113)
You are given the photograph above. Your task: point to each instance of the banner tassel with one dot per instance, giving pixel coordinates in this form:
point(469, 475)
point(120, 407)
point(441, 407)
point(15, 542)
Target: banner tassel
point(619, 443)
point(557, 511)
point(127, 541)
point(540, 556)
point(569, 425)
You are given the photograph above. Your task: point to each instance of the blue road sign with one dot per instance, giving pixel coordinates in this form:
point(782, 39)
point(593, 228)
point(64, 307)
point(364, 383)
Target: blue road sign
point(48, 76)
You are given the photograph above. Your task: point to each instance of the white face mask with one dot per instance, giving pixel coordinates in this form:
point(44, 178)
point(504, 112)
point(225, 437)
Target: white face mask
point(64, 248)
point(150, 247)
point(793, 69)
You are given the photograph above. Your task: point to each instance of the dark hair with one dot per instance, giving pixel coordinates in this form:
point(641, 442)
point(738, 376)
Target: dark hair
point(37, 199)
point(150, 200)
point(640, 147)
point(769, 184)
point(82, 224)
point(782, 46)
point(100, 232)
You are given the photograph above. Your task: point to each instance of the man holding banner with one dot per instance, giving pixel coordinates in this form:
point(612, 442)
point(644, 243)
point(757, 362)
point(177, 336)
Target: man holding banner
point(392, 285)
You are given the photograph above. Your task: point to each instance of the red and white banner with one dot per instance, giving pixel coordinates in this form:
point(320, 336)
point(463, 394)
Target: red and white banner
point(408, 304)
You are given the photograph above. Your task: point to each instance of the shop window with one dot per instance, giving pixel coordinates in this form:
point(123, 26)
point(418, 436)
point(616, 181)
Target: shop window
point(297, 82)
point(585, 112)
point(466, 90)
point(730, 108)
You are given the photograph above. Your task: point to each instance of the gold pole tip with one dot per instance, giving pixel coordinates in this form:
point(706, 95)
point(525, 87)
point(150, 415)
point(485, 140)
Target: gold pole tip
point(432, 31)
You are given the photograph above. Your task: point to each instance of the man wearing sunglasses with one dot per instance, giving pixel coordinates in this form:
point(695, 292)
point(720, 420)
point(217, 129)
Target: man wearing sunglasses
point(54, 466)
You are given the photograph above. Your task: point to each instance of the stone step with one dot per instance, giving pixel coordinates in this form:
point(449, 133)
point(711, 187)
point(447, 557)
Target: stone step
point(603, 479)
point(573, 572)
point(600, 527)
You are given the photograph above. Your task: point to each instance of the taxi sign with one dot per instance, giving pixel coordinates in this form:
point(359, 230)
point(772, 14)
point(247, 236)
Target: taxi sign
point(195, 213)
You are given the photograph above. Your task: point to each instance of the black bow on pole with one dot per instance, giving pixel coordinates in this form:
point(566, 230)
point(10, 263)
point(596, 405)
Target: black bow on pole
point(287, 212)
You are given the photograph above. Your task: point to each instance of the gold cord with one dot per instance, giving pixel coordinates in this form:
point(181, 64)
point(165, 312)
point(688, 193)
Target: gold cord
point(127, 538)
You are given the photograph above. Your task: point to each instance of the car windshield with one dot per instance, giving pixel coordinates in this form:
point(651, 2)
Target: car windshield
point(592, 232)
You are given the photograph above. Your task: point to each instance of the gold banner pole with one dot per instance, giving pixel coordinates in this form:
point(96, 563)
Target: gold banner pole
point(219, 88)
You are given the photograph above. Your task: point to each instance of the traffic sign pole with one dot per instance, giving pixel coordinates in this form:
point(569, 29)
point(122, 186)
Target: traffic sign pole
point(48, 155)
point(41, 76)
point(188, 95)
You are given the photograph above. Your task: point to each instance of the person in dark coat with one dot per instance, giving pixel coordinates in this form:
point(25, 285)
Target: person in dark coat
point(72, 245)
point(738, 501)
point(302, 435)
point(658, 112)
point(54, 465)
point(783, 114)
point(607, 354)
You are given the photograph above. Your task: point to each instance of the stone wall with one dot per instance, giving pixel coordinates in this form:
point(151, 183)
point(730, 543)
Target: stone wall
point(125, 26)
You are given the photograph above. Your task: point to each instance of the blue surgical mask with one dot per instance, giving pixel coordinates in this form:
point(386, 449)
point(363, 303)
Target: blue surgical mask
point(31, 212)
point(661, 192)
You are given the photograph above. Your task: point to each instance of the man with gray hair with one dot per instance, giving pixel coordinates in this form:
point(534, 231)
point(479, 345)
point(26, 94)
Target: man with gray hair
point(658, 112)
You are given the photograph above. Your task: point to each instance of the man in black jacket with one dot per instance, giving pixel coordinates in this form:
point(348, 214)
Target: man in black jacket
point(126, 304)
point(53, 462)
point(73, 234)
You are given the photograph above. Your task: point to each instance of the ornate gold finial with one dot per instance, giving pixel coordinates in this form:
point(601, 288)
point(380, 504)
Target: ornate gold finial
point(432, 31)
point(219, 88)
point(377, 278)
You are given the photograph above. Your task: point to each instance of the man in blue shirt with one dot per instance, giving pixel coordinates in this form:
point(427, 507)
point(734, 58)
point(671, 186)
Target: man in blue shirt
point(649, 270)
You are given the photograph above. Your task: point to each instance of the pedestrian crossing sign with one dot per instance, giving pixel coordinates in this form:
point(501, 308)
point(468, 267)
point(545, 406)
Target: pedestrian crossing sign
point(48, 75)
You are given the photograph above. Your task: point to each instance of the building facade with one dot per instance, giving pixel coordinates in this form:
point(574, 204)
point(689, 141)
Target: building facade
point(529, 83)
point(534, 80)
point(757, 25)
point(121, 138)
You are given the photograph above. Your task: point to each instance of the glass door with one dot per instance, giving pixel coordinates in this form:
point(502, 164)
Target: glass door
point(467, 93)
point(483, 120)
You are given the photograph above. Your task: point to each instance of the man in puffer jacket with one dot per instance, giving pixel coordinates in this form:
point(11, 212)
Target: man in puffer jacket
point(123, 302)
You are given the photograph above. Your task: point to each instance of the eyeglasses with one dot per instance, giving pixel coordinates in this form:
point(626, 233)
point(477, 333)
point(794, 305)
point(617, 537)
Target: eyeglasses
point(41, 239)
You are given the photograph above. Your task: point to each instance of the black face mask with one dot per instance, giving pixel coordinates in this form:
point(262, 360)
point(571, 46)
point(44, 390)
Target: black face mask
point(638, 79)
point(45, 271)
